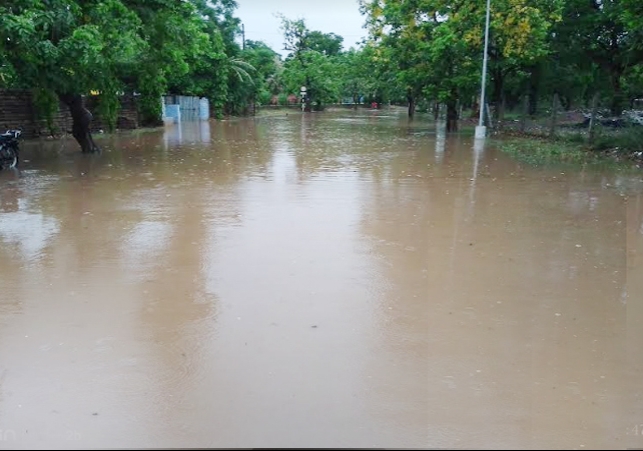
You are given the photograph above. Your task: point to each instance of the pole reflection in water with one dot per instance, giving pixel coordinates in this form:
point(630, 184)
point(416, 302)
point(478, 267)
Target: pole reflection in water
point(440, 141)
point(478, 151)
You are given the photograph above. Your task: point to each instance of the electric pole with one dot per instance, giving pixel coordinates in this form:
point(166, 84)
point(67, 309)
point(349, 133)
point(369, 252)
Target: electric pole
point(481, 130)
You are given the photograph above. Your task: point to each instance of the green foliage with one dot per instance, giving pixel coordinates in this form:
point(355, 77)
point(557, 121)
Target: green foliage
point(593, 51)
point(574, 148)
point(295, 36)
point(328, 44)
point(266, 65)
point(253, 71)
point(46, 103)
point(315, 61)
point(418, 51)
point(65, 47)
point(264, 97)
point(624, 141)
point(108, 107)
point(151, 47)
point(151, 87)
point(315, 71)
point(435, 46)
point(353, 73)
point(542, 152)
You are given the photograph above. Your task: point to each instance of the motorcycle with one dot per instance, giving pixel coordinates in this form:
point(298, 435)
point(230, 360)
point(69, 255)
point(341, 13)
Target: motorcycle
point(9, 150)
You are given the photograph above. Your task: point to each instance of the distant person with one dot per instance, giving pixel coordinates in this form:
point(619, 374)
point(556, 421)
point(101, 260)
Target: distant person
point(374, 105)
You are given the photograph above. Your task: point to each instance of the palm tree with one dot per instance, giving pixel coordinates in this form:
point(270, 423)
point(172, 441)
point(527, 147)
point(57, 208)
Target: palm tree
point(241, 86)
point(241, 68)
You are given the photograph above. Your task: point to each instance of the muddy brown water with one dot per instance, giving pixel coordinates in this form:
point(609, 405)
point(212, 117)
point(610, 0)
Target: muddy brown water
point(333, 280)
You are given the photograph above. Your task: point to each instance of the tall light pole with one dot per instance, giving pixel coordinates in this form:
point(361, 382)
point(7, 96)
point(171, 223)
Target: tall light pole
point(481, 130)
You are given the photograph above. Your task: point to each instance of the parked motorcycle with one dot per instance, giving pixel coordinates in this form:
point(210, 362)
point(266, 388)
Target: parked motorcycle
point(9, 149)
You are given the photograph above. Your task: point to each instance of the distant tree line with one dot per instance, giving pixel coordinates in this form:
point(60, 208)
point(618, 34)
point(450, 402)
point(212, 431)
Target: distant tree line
point(579, 52)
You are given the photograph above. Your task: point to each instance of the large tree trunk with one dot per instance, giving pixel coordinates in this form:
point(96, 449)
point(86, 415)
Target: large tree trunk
point(501, 111)
point(411, 101)
point(525, 113)
point(82, 118)
point(452, 116)
point(617, 96)
point(534, 81)
point(475, 108)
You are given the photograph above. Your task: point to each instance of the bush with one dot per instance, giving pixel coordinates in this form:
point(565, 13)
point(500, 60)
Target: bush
point(538, 151)
point(624, 140)
point(264, 97)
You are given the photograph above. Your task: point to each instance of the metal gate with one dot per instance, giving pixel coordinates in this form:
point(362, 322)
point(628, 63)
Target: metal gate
point(185, 108)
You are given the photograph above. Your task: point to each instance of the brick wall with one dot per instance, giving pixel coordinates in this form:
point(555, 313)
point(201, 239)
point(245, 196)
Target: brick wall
point(127, 116)
point(17, 110)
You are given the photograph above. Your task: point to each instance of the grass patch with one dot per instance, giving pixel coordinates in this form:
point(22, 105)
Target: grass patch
point(620, 149)
point(623, 140)
point(538, 152)
point(626, 140)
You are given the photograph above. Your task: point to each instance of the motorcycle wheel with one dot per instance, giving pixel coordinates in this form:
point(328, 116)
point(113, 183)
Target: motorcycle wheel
point(8, 158)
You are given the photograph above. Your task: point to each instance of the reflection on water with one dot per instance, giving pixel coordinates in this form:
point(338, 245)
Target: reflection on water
point(440, 141)
point(187, 132)
point(29, 232)
point(342, 279)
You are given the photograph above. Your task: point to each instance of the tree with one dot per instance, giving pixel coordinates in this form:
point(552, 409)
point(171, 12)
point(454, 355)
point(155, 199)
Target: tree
point(428, 49)
point(307, 66)
point(267, 65)
point(380, 75)
point(355, 74)
point(61, 50)
point(318, 73)
point(519, 39)
point(184, 47)
point(436, 45)
point(65, 49)
point(328, 44)
point(605, 35)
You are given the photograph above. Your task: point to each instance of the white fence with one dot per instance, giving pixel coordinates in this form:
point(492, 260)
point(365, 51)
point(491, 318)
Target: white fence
point(185, 108)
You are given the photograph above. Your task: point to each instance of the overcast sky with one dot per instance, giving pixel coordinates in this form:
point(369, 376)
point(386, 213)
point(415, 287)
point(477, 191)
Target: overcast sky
point(341, 17)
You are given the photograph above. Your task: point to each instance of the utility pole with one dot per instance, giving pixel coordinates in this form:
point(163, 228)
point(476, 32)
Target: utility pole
point(243, 37)
point(481, 130)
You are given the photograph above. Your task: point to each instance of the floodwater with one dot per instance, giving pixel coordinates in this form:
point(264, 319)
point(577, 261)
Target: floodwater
point(329, 280)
